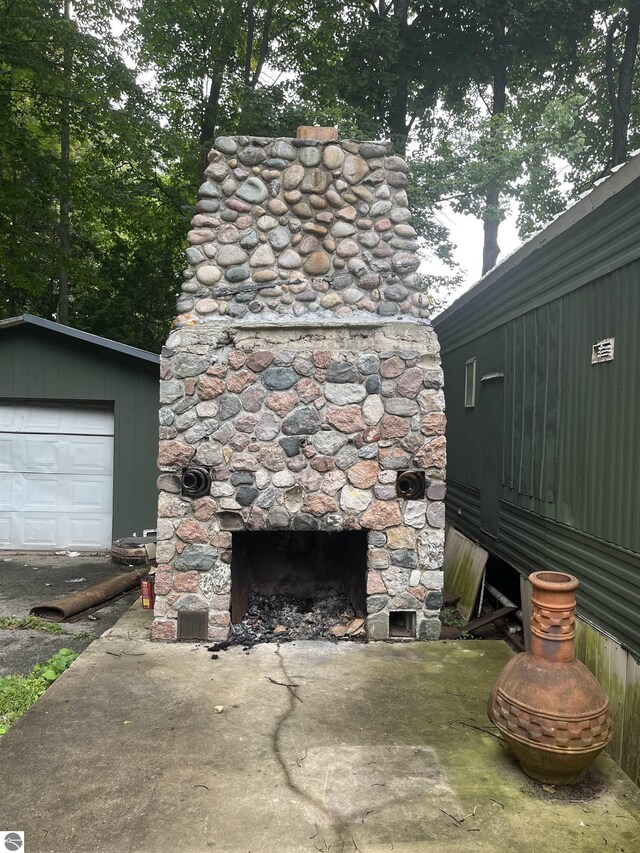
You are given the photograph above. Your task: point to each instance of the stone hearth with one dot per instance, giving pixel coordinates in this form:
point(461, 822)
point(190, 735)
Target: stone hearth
point(301, 383)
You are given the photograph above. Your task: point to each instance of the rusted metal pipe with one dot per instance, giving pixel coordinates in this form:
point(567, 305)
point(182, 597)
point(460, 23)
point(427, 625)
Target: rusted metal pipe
point(77, 602)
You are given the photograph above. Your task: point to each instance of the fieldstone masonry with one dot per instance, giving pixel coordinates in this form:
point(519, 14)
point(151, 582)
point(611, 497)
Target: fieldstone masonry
point(303, 372)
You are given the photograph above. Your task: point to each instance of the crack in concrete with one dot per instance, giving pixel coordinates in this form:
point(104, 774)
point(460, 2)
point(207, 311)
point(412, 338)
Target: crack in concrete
point(335, 824)
point(340, 830)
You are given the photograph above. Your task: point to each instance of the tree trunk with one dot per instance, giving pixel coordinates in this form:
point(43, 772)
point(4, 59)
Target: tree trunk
point(62, 313)
point(398, 127)
point(209, 122)
point(490, 248)
point(492, 215)
point(620, 90)
point(251, 23)
point(262, 38)
point(228, 23)
point(399, 95)
point(9, 306)
point(263, 49)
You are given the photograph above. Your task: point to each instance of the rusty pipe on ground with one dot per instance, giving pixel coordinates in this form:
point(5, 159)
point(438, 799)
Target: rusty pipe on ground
point(70, 605)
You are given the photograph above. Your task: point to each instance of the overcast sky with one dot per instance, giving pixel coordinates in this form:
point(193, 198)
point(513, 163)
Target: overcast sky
point(466, 233)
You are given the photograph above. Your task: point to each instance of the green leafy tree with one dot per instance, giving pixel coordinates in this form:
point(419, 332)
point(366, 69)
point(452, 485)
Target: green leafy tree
point(401, 59)
point(608, 85)
point(621, 49)
point(85, 172)
point(520, 44)
point(209, 59)
point(459, 83)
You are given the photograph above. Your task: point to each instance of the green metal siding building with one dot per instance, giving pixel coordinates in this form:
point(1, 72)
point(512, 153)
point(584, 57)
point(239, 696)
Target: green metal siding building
point(78, 437)
point(544, 445)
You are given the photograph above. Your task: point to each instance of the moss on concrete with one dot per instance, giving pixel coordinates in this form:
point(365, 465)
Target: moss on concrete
point(434, 696)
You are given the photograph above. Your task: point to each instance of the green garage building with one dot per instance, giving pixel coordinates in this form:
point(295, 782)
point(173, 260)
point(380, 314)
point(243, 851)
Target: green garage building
point(78, 437)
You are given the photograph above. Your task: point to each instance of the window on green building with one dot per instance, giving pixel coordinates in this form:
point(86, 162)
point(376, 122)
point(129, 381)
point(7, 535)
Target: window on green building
point(470, 383)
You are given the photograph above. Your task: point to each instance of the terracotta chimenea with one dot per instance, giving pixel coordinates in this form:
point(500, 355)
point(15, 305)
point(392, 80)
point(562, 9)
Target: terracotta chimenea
point(546, 704)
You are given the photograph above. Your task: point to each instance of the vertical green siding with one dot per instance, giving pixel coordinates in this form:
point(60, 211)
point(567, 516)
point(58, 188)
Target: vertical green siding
point(488, 350)
point(571, 447)
point(36, 364)
point(599, 463)
point(532, 397)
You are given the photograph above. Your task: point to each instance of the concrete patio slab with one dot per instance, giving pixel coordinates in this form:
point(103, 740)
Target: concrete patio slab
point(372, 748)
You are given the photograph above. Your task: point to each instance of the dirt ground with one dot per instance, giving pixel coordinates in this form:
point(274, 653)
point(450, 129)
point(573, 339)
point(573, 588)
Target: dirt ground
point(27, 579)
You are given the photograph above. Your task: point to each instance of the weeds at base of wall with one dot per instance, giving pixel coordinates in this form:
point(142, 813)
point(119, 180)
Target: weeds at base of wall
point(449, 615)
point(19, 692)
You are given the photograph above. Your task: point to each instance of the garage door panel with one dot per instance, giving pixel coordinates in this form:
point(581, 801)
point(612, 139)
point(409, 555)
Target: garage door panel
point(5, 531)
point(38, 454)
point(40, 493)
point(64, 454)
point(89, 494)
point(30, 453)
point(51, 531)
point(59, 419)
point(89, 456)
point(10, 497)
point(5, 453)
point(56, 490)
point(38, 530)
point(57, 454)
point(87, 532)
point(11, 452)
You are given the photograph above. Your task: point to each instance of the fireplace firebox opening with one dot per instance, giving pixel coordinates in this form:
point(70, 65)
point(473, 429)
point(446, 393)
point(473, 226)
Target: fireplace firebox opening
point(297, 584)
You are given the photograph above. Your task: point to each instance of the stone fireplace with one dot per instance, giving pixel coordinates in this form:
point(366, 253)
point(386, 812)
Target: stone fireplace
point(302, 411)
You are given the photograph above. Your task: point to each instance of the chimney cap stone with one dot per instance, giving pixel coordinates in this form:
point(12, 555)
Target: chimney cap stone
point(318, 134)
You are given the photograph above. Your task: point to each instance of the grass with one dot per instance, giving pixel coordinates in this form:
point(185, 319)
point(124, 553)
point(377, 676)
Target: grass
point(32, 623)
point(19, 692)
point(82, 635)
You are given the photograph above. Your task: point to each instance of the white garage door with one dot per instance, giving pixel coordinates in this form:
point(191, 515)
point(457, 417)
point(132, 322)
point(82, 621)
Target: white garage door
point(56, 477)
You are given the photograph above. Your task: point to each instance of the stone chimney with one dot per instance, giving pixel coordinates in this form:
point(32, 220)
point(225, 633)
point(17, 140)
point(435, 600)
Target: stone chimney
point(301, 388)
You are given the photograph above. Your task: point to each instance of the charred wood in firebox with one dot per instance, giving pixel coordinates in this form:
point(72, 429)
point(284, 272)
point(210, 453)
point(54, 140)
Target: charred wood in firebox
point(301, 618)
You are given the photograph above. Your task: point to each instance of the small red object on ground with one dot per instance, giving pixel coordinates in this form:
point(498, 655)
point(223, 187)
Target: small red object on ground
point(147, 592)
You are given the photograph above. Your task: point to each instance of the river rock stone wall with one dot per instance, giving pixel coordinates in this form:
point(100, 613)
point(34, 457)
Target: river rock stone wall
point(297, 227)
point(304, 408)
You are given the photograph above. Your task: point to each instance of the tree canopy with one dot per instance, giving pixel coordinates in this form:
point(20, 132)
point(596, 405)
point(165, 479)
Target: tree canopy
point(109, 109)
